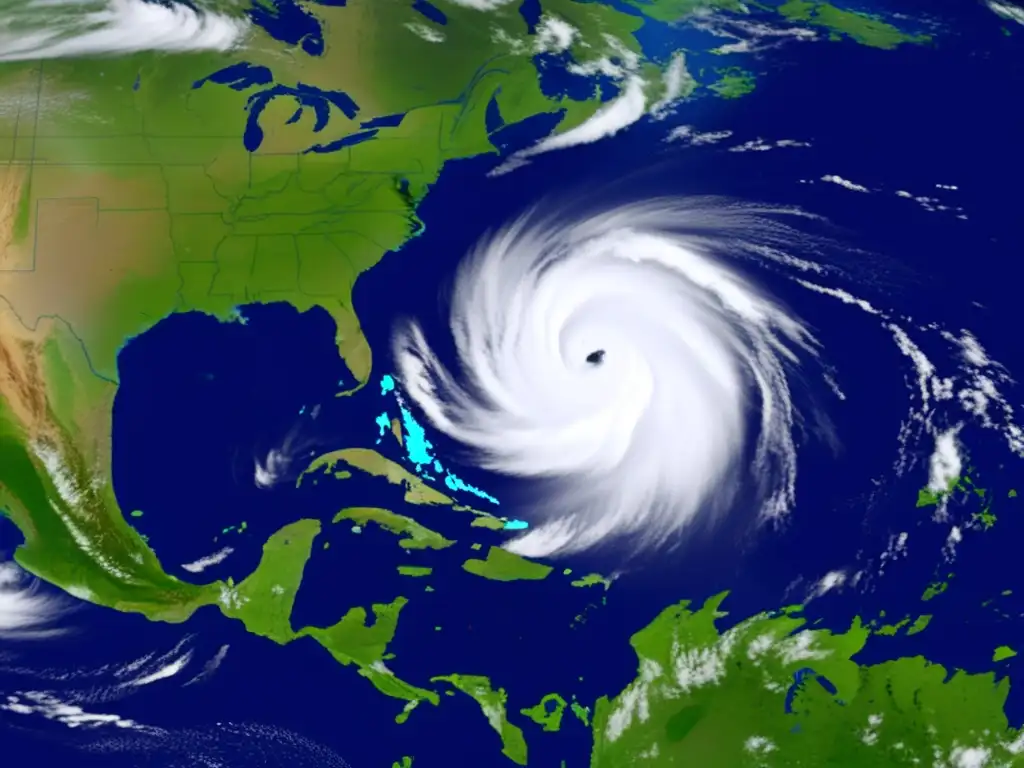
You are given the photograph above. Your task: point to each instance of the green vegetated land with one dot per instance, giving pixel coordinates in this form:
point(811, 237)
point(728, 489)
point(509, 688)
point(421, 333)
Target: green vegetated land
point(771, 691)
point(859, 27)
point(502, 565)
point(414, 535)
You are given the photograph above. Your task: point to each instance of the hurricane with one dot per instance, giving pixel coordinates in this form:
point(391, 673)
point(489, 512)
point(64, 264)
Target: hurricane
point(47, 29)
point(626, 362)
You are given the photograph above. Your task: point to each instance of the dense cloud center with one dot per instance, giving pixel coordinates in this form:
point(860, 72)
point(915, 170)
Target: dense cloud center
point(619, 357)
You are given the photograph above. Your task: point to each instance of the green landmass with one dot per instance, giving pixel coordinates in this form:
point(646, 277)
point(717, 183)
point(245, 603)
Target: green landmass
point(415, 570)
point(492, 704)
point(1003, 652)
point(591, 580)
point(263, 601)
point(353, 641)
point(581, 712)
point(674, 10)
point(734, 83)
point(548, 712)
point(706, 697)
point(859, 27)
point(417, 490)
point(492, 523)
point(862, 28)
point(984, 519)
point(104, 563)
point(416, 536)
point(502, 565)
point(926, 497)
point(892, 629)
point(920, 624)
point(936, 588)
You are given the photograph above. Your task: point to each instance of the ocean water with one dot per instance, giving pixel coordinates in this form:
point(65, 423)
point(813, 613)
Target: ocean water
point(201, 401)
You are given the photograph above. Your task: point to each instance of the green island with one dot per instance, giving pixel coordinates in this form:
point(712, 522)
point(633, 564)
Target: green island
point(734, 83)
point(1003, 652)
point(368, 461)
point(920, 624)
point(492, 523)
point(415, 570)
point(890, 630)
point(963, 487)
point(548, 712)
point(964, 490)
point(502, 565)
point(581, 712)
point(672, 10)
point(416, 536)
point(859, 27)
point(592, 580)
point(936, 588)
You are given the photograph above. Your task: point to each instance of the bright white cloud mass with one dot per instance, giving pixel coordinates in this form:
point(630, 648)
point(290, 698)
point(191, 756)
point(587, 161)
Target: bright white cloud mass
point(46, 29)
point(618, 356)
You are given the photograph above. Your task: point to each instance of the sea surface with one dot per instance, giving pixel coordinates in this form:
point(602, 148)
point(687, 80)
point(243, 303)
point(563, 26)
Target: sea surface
point(201, 401)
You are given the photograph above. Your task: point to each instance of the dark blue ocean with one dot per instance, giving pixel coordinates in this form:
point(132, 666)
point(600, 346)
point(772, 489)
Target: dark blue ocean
point(200, 401)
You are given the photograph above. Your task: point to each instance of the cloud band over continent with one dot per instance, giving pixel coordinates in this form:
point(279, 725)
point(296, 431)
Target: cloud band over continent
point(47, 29)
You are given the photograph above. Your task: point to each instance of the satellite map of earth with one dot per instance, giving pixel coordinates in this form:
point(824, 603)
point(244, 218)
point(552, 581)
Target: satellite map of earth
point(471, 383)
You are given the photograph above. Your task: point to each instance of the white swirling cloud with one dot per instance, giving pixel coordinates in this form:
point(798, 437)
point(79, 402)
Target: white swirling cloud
point(25, 612)
point(618, 357)
point(47, 29)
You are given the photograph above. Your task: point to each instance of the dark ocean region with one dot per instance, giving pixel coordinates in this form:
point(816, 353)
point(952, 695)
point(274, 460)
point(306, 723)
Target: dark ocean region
point(222, 395)
point(202, 401)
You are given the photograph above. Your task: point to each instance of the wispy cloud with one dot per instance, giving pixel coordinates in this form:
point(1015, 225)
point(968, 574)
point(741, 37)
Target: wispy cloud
point(613, 117)
point(25, 612)
point(47, 29)
point(203, 563)
point(1007, 11)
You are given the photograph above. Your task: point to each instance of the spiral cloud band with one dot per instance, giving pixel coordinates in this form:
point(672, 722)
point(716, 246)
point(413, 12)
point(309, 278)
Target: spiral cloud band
point(618, 359)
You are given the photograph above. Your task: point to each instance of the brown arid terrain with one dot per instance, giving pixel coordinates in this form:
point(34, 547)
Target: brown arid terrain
point(92, 234)
point(22, 383)
point(13, 255)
